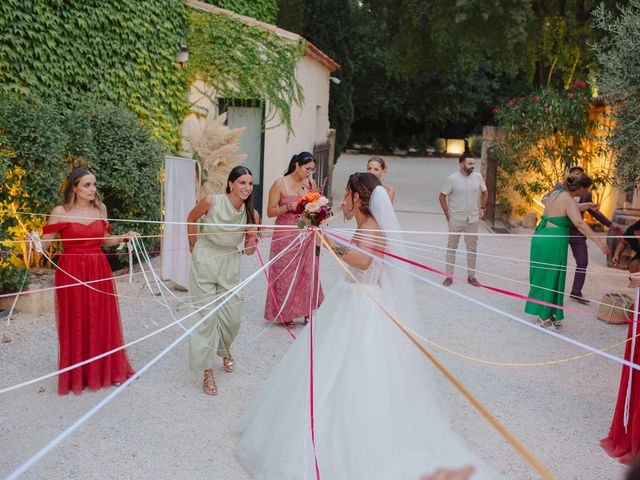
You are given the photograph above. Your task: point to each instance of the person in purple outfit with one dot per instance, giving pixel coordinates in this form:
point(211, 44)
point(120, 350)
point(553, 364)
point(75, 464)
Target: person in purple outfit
point(578, 242)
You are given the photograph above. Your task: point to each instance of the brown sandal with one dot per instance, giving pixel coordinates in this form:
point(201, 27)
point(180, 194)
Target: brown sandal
point(229, 363)
point(209, 384)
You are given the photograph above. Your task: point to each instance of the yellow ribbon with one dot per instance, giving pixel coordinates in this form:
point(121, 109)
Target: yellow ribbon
point(513, 441)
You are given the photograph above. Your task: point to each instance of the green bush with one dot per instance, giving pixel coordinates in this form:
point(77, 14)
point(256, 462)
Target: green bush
point(125, 158)
point(39, 145)
point(543, 134)
point(32, 145)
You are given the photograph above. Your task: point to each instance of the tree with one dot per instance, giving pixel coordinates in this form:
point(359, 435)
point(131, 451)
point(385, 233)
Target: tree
point(544, 40)
point(329, 26)
point(619, 83)
point(290, 13)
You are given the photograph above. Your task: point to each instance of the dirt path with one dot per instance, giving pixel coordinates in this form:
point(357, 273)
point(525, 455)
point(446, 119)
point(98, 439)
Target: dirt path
point(163, 427)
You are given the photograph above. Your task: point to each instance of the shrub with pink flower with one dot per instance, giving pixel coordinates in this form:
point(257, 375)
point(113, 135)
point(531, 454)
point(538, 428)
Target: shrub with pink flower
point(542, 137)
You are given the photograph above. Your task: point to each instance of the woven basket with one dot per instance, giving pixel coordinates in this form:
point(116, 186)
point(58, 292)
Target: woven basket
point(612, 310)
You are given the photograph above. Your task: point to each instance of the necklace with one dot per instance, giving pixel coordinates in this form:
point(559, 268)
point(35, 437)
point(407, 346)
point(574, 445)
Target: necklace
point(298, 187)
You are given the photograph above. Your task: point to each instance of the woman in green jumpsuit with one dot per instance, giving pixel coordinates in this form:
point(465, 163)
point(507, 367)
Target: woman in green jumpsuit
point(549, 246)
point(215, 269)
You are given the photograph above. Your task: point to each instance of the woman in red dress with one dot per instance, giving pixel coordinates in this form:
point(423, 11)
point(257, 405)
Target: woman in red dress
point(623, 441)
point(88, 315)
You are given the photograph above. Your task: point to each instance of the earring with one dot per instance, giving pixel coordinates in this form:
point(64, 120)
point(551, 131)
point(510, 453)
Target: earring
point(230, 189)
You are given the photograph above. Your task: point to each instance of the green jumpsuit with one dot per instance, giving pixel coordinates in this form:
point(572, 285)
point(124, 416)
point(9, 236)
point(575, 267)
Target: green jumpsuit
point(215, 269)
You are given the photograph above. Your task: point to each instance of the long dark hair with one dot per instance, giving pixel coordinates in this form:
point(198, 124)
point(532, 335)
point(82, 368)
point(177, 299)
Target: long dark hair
point(301, 158)
point(363, 184)
point(72, 180)
point(236, 172)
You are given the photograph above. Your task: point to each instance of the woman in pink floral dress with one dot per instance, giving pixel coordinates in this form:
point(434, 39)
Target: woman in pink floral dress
point(292, 291)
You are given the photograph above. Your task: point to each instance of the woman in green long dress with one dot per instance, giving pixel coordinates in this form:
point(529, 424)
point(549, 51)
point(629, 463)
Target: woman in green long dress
point(549, 247)
point(215, 269)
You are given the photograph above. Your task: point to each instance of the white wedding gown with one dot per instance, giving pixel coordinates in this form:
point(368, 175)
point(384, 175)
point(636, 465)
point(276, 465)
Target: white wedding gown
point(377, 411)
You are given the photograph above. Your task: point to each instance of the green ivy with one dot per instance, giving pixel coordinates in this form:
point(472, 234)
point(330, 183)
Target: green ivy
point(119, 52)
point(245, 62)
point(264, 10)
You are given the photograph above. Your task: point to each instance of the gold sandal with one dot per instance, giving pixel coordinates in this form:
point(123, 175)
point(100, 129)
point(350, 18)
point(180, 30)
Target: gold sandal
point(229, 363)
point(209, 384)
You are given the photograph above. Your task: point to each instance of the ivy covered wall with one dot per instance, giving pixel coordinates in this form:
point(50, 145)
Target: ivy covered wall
point(265, 10)
point(119, 52)
point(245, 62)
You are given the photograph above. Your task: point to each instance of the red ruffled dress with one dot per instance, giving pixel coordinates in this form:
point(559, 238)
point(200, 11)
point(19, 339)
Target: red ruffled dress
point(622, 443)
point(88, 316)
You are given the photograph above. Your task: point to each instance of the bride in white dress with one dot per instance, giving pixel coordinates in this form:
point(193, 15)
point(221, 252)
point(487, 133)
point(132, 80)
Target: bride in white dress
point(377, 411)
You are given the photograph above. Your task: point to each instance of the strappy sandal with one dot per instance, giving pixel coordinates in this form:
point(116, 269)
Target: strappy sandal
point(209, 384)
point(290, 324)
point(556, 323)
point(228, 363)
point(548, 324)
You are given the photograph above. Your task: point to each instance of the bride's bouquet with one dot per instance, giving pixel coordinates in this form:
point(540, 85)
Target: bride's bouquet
point(313, 209)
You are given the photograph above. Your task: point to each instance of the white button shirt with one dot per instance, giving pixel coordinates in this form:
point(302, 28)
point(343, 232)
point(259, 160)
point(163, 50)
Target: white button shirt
point(463, 195)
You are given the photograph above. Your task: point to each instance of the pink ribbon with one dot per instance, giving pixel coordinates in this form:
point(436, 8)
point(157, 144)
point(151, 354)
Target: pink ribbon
point(266, 275)
point(311, 392)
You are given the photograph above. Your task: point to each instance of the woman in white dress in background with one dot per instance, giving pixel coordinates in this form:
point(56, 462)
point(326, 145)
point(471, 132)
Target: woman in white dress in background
point(376, 404)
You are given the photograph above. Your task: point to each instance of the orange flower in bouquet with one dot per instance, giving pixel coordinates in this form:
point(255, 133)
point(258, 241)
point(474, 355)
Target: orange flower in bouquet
point(313, 209)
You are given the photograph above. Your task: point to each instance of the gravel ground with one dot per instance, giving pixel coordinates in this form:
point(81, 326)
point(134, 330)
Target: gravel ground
point(164, 427)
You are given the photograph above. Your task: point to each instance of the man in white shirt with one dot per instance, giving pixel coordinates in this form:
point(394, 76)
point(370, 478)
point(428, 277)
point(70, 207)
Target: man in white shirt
point(463, 200)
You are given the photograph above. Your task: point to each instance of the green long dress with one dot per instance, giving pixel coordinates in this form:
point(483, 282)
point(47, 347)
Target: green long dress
point(215, 269)
point(548, 263)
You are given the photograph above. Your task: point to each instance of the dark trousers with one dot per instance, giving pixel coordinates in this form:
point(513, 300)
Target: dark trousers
point(581, 254)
